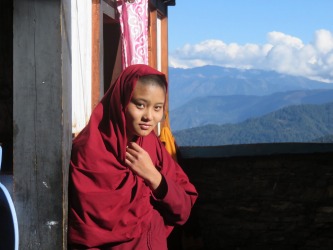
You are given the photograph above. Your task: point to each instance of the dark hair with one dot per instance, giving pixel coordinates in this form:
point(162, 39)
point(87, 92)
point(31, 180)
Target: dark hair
point(153, 80)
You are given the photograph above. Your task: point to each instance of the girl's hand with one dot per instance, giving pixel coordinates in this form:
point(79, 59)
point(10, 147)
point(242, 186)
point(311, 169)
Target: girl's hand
point(139, 161)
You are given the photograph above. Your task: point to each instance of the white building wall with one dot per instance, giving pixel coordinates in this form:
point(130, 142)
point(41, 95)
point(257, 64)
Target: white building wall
point(81, 63)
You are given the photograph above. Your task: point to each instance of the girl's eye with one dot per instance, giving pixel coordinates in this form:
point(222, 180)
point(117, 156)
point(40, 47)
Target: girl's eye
point(140, 105)
point(158, 108)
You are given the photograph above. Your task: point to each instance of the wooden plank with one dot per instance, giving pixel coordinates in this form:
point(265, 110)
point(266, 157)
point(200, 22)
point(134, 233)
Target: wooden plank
point(42, 121)
point(96, 73)
point(152, 39)
point(164, 45)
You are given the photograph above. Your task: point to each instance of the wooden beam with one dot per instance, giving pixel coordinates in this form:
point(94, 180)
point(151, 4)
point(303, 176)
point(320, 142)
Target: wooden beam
point(96, 53)
point(165, 54)
point(42, 121)
point(164, 45)
point(152, 44)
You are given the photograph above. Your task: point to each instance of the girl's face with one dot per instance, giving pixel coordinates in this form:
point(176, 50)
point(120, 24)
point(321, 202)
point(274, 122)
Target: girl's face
point(145, 109)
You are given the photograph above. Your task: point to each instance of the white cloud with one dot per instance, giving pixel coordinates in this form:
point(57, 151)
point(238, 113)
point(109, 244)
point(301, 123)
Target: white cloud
point(282, 52)
point(278, 38)
point(324, 41)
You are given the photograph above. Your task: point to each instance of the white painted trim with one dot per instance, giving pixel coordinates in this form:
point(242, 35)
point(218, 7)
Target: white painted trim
point(159, 43)
point(81, 63)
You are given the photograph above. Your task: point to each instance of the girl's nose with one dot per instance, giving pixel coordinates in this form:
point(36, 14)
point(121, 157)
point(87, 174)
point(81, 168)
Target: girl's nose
point(148, 114)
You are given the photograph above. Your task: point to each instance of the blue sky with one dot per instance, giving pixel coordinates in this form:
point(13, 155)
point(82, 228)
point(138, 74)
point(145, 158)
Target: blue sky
point(289, 36)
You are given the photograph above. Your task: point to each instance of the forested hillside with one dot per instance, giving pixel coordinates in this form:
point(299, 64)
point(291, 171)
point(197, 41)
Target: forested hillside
point(237, 108)
point(299, 123)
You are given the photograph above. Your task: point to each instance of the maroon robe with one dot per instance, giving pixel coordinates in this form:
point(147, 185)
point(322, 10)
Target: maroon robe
point(109, 206)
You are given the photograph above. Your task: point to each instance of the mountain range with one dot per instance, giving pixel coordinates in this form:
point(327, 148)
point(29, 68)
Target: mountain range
point(218, 95)
point(201, 111)
point(296, 123)
point(186, 84)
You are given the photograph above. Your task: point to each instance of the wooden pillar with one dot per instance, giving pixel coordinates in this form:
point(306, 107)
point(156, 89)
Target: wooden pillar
point(42, 121)
point(165, 53)
point(96, 73)
point(152, 43)
point(164, 45)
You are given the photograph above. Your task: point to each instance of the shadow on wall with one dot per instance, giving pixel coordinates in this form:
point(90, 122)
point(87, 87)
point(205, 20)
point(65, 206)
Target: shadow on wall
point(281, 201)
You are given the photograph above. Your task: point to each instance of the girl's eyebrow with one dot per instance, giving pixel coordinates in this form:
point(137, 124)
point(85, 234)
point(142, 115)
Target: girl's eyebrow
point(144, 100)
point(139, 99)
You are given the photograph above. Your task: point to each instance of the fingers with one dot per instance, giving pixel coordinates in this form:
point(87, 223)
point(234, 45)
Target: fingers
point(139, 161)
point(133, 154)
point(129, 158)
point(134, 146)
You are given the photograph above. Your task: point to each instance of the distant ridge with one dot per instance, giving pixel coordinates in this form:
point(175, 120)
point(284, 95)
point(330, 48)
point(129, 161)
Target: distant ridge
point(187, 84)
point(219, 110)
point(219, 95)
point(298, 123)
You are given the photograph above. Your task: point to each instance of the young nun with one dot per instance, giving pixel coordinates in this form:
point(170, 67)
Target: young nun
point(125, 190)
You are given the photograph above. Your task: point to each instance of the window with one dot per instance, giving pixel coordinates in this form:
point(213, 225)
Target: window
point(227, 92)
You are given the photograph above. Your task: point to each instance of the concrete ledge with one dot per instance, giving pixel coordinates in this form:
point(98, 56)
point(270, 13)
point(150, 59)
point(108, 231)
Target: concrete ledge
point(264, 149)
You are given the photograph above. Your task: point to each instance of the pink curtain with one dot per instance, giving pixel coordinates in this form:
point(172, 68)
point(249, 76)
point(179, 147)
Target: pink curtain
point(134, 27)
